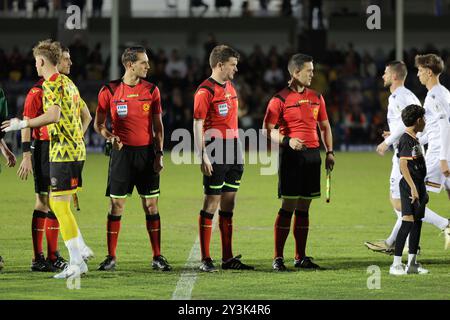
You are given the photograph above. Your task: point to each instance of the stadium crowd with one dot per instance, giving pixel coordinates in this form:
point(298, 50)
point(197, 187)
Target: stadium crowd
point(349, 79)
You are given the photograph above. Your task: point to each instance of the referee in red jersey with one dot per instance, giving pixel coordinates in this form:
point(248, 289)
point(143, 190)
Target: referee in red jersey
point(296, 111)
point(134, 107)
point(216, 124)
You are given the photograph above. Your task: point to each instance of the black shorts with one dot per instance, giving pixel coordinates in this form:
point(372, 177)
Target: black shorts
point(41, 166)
point(227, 164)
point(417, 209)
point(299, 173)
point(65, 177)
point(129, 167)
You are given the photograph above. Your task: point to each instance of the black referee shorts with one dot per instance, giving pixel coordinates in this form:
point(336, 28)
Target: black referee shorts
point(417, 209)
point(299, 173)
point(130, 167)
point(227, 164)
point(41, 166)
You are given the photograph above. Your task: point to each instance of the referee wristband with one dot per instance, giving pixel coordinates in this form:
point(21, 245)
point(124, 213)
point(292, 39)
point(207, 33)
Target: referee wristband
point(330, 152)
point(285, 141)
point(26, 146)
point(159, 152)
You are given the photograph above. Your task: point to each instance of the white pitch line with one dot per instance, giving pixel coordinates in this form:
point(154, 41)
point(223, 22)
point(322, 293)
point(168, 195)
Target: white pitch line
point(188, 277)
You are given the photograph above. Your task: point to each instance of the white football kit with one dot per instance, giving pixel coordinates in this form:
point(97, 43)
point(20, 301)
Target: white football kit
point(437, 130)
point(398, 100)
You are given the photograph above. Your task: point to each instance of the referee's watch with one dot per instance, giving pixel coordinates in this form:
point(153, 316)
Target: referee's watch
point(330, 152)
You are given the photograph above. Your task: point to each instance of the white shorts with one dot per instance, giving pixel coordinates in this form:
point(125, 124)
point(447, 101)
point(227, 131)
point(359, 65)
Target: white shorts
point(396, 176)
point(435, 180)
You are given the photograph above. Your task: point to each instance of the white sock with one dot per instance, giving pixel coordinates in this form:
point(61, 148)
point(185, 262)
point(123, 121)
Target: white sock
point(81, 242)
point(411, 259)
point(397, 260)
point(435, 219)
point(391, 239)
point(74, 251)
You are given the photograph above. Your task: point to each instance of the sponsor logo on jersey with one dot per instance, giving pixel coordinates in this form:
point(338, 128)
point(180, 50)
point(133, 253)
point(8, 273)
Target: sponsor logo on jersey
point(134, 95)
point(315, 113)
point(122, 110)
point(223, 109)
point(74, 182)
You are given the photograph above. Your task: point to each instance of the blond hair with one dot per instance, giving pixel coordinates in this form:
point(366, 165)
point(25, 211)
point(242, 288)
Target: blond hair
point(51, 50)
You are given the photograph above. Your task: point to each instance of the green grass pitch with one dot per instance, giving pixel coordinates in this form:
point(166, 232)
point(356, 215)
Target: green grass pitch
point(359, 210)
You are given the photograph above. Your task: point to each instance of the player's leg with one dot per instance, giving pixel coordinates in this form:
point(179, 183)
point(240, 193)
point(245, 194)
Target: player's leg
point(289, 192)
point(397, 267)
point(147, 184)
point(414, 237)
point(435, 181)
point(387, 246)
point(38, 226)
point(309, 183)
point(40, 222)
point(153, 222)
point(300, 231)
point(227, 204)
point(65, 180)
point(212, 187)
point(120, 184)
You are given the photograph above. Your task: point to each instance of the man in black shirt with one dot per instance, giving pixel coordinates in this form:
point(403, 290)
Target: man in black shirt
point(413, 194)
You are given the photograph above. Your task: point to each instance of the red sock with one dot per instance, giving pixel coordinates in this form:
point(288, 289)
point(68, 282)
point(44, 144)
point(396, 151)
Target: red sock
point(154, 232)
point(112, 234)
point(301, 228)
point(226, 233)
point(205, 222)
point(37, 231)
point(282, 227)
point(51, 233)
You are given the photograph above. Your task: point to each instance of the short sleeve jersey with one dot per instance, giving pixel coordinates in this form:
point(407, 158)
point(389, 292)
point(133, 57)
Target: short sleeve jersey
point(131, 109)
point(33, 108)
point(66, 136)
point(437, 109)
point(409, 148)
point(297, 114)
point(217, 104)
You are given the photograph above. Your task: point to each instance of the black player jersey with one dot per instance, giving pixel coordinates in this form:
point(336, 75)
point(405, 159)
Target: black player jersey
point(409, 148)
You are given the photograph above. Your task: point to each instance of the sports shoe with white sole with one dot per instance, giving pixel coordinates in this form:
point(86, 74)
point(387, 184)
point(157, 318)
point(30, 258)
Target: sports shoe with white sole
point(380, 246)
point(416, 268)
point(397, 270)
point(72, 271)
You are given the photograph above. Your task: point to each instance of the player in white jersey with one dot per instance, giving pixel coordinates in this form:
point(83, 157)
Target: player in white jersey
point(437, 115)
point(394, 78)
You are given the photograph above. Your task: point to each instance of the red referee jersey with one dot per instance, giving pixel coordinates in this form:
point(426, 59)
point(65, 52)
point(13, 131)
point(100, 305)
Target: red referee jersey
point(34, 108)
point(297, 114)
point(217, 105)
point(131, 110)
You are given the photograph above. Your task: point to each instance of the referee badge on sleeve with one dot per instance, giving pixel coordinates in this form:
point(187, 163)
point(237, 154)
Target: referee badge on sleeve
point(122, 110)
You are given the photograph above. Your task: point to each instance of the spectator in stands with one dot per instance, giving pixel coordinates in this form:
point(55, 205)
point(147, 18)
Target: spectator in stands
point(196, 4)
point(274, 76)
point(220, 4)
point(38, 4)
point(79, 54)
point(97, 8)
point(176, 67)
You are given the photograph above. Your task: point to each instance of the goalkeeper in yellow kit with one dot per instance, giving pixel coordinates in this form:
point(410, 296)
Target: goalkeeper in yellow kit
point(63, 114)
